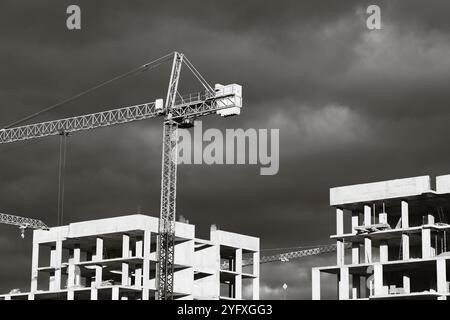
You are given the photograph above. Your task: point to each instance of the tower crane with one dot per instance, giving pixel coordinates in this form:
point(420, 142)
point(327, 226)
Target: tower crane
point(291, 255)
point(287, 256)
point(22, 222)
point(177, 111)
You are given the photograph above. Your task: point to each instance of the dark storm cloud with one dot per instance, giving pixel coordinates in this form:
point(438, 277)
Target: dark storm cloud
point(352, 106)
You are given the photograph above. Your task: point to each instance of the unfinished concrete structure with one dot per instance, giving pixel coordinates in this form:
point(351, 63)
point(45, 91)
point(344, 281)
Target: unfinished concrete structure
point(391, 240)
point(116, 259)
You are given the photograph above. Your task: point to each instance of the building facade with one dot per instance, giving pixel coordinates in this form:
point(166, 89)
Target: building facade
point(116, 259)
point(392, 240)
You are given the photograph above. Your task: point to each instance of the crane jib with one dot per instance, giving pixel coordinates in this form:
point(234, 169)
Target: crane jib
point(195, 105)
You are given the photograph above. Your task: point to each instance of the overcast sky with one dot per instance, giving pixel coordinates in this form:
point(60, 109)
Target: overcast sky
point(352, 106)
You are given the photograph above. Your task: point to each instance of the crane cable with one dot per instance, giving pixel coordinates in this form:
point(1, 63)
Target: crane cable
point(145, 67)
point(198, 75)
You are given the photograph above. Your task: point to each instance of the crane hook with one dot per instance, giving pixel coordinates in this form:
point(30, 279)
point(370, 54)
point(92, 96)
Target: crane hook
point(22, 231)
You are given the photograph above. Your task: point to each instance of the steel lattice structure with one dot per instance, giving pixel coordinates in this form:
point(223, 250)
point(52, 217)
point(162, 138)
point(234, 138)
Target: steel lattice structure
point(285, 257)
point(177, 110)
point(166, 245)
point(22, 222)
point(196, 105)
point(84, 122)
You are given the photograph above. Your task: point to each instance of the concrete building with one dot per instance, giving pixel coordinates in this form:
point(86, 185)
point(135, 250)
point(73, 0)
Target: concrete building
point(392, 240)
point(116, 259)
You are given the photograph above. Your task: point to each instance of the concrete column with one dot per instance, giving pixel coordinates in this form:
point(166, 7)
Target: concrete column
point(98, 269)
point(94, 293)
point(339, 222)
point(70, 295)
point(70, 275)
point(426, 243)
point(405, 215)
point(340, 252)
point(256, 273)
point(238, 287)
point(405, 225)
point(53, 259)
point(382, 218)
point(405, 246)
point(315, 279)
point(76, 260)
point(367, 215)
point(115, 293)
point(384, 248)
point(145, 294)
point(384, 254)
point(238, 260)
point(34, 267)
point(57, 265)
point(378, 280)
point(355, 221)
point(441, 273)
point(367, 241)
point(98, 249)
point(406, 282)
point(53, 256)
point(98, 275)
point(73, 271)
point(430, 218)
point(125, 254)
point(138, 277)
point(70, 278)
point(238, 279)
point(31, 296)
point(139, 248)
point(344, 284)
point(367, 250)
point(356, 286)
point(355, 253)
point(7, 297)
point(146, 266)
point(125, 246)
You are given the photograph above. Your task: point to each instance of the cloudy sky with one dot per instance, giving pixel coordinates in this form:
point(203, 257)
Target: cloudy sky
point(352, 106)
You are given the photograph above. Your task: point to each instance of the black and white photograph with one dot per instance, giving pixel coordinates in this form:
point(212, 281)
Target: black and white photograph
point(224, 151)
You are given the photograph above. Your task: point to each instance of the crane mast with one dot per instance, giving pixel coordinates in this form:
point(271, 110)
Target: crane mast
point(166, 243)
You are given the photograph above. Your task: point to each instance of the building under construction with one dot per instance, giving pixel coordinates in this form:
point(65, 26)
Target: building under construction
point(116, 258)
point(391, 240)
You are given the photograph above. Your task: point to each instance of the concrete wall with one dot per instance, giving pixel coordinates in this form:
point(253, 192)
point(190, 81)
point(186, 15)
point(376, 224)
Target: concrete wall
point(443, 184)
point(207, 260)
point(379, 190)
point(235, 240)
